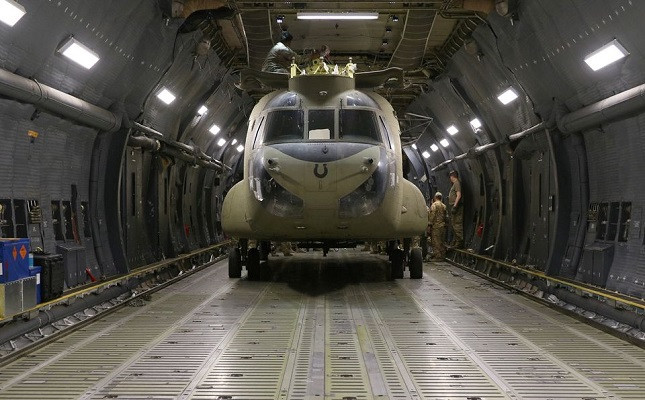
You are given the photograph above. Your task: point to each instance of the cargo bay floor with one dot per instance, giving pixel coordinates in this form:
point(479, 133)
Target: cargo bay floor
point(332, 329)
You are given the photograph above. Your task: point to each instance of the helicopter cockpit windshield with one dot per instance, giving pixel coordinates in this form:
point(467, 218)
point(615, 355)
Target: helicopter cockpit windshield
point(356, 120)
point(284, 125)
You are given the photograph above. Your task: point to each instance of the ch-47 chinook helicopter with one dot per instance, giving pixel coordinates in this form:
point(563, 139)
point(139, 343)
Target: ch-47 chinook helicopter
point(323, 166)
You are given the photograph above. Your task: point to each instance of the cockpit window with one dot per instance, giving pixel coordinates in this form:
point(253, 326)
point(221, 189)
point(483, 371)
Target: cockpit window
point(359, 125)
point(321, 124)
point(284, 125)
point(288, 99)
point(359, 99)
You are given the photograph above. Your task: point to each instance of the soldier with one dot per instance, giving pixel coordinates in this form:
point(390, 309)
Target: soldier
point(285, 248)
point(280, 55)
point(457, 211)
point(437, 227)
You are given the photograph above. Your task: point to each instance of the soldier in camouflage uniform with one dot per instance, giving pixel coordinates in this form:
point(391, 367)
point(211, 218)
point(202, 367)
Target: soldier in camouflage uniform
point(437, 227)
point(280, 56)
point(457, 210)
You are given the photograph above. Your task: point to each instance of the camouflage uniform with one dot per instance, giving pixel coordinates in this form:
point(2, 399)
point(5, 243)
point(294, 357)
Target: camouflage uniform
point(278, 59)
point(457, 215)
point(285, 248)
point(437, 224)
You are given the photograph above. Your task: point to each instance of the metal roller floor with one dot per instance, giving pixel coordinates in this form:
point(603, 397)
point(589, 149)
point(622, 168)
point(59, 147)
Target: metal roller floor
point(332, 329)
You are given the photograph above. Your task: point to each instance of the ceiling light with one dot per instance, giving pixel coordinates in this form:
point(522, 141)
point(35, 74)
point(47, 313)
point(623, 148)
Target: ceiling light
point(395, 18)
point(11, 12)
point(508, 96)
point(388, 29)
point(214, 129)
point(279, 19)
point(240, 148)
point(425, 154)
point(434, 147)
point(385, 42)
point(221, 142)
point(202, 110)
point(329, 15)
point(414, 146)
point(452, 130)
point(79, 53)
point(475, 123)
point(444, 142)
point(607, 54)
point(166, 96)
point(234, 141)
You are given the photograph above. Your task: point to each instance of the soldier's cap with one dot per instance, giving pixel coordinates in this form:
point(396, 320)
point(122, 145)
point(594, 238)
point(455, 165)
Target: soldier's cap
point(285, 36)
point(454, 173)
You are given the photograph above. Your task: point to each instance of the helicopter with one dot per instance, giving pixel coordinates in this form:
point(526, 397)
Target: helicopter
point(323, 166)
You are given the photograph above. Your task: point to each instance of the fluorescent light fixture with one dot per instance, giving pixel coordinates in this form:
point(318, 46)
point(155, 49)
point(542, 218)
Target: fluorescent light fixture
point(11, 12)
point(452, 129)
point(202, 110)
point(425, 154)
point(79, 53)
point(240, 148)
point(475, 123)
point(444, 142)
point(221, 142)
point(414, 146)
point(233, 142)
point(607, 54)
point(166, 96)
point(508, 96)
point(214, 129)
point(434, 147)
point(338, 15)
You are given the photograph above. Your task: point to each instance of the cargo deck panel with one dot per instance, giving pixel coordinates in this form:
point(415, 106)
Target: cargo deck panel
point(332, 328)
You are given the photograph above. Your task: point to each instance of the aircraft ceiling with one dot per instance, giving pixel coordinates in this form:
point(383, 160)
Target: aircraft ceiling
point(419, 37)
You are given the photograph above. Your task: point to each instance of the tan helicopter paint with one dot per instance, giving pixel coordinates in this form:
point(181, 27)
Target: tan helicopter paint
point(341, 179)
point(401, 214)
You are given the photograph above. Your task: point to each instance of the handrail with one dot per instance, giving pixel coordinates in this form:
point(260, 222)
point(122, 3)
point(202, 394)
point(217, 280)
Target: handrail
point(621, 298)
point(84, 290)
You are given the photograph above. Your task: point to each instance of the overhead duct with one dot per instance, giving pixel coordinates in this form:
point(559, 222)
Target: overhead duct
point(614, 108)
point(56, 102)
point(144, 143)
point(192, 158)
point(526, 132)
point(471, 153)
point(182, 151)
point(147, 130)
point(476, 151)
point(52, 100)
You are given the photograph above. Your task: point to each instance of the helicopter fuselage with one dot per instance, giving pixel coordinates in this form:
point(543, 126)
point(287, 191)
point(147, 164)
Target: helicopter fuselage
point(323, 161)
